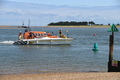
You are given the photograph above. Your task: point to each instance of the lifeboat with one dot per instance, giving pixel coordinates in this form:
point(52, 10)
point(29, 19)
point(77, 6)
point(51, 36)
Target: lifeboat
point(41, 37)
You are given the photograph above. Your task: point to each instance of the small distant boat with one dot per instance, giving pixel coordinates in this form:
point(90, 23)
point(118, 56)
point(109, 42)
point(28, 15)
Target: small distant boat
point(42, 37)
point(23, 25)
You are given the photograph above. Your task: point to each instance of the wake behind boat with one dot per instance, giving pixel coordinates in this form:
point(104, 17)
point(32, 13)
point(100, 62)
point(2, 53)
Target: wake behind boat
point(41, 37)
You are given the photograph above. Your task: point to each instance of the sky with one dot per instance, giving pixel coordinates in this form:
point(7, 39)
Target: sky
point(72, 2)
point(43, 12)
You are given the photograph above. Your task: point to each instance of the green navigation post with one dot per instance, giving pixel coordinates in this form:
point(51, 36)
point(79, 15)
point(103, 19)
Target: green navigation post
point(111, 47)
point(111, 40)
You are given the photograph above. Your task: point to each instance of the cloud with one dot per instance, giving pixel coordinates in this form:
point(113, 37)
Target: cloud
point(44, 14)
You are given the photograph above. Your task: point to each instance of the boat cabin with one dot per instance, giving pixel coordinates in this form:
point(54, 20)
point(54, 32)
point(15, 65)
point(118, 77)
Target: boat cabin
point(36, 34)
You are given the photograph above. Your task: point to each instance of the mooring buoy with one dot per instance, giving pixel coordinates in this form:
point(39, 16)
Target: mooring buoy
point(95, 47)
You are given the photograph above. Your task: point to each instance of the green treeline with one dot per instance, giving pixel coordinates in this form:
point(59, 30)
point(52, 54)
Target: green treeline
point(72, 23)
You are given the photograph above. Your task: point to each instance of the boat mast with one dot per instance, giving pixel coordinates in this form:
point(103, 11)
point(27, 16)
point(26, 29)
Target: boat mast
point(29, 25)
point(22, 23)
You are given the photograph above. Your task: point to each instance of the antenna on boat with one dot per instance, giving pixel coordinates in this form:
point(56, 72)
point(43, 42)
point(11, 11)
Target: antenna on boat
point(22, 23)
point(67, 33)
point(35, 24)
point(41, 28)
point(29, 25)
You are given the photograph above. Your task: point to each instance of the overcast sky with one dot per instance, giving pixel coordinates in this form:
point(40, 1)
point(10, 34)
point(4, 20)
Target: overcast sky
point(43, 12)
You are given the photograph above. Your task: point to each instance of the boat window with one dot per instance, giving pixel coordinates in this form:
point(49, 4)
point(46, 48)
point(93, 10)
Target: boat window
point(45, 34)
point(38, 34)
point(35, 34)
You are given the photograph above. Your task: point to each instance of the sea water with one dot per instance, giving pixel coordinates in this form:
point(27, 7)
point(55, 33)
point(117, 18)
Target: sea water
point(78, 56)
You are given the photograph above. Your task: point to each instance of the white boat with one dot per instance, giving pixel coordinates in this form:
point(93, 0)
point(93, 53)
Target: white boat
point(41, 37)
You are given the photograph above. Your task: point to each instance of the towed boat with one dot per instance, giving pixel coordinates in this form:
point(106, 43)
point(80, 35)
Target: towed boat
point(41, 37)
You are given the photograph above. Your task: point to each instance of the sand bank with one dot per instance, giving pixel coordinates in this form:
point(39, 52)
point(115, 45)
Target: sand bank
point(103, 26)
point(8, 27)
point(64, 76)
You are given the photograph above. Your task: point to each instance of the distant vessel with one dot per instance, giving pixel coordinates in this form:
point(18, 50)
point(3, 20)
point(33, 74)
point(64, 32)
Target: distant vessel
point(41, 37)
point(23, 25)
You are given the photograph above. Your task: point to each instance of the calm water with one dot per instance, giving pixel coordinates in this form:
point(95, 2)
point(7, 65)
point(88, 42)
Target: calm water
point(21, 59)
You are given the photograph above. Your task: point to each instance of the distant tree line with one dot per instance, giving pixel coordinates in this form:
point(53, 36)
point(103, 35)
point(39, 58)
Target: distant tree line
point(72, 23)
point(115, 24)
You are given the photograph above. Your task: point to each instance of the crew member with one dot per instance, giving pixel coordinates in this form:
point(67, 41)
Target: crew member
point(60, 32)
point(31, 35)
point(20, 36)
point(49, 34)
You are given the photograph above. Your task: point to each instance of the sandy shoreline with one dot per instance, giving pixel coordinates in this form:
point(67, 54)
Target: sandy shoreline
point(103, 26)
point(65, 76)
point(8, 27)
